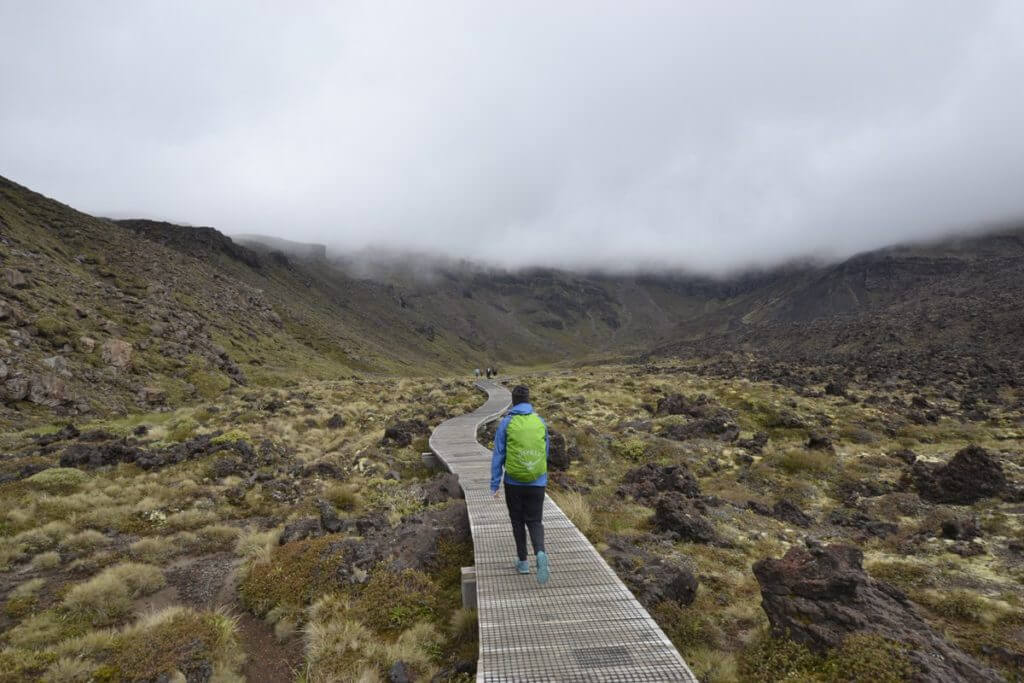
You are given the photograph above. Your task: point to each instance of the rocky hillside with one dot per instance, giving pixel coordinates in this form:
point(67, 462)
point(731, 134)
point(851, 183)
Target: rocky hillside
point(101, 315)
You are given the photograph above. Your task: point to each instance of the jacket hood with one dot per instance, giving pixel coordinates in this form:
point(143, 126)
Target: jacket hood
point(521, 409)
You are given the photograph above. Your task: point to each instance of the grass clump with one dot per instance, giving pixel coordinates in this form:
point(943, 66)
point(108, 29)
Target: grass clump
point(799, 460)
point(577, 509)
point(343, 496)
point(863, 656)
point(229, 437)
point(60, 480)
point(391, 602)
point(172, 639)
point(48, 560)
point(84, 541)
point(292, 575)
point(107, 597)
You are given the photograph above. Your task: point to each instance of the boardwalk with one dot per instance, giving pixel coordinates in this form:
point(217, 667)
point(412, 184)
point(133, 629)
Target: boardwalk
point(584, 625)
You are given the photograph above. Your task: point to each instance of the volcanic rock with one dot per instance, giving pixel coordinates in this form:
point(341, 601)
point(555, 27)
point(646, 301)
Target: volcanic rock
point(819, 596)
point(971, 475)
point(787, 511)
point(651, 579)
point(402, 433)
point(644, 483)
point(116, 352)
point(677, 515)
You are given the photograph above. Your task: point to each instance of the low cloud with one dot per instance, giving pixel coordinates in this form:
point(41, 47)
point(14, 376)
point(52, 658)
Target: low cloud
point(700, 135)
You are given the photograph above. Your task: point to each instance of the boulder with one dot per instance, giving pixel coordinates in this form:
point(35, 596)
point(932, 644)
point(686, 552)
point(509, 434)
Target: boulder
point(754, 444)
point(558, 454)
point(300, 530)
point(819, 595)
point(17, 388)
point(650, 578)
point(442, 487)
point(972, 474)
point(48, 390)
point(786, 511)
point(152, 395)
point(15, 278)
point(329, 519)
point(721, 428)
point(402, 432)
point(117, 352)
point(335, 421)
point(644, 483)
point(961, 529)
point(677, 515)
point(819, 441)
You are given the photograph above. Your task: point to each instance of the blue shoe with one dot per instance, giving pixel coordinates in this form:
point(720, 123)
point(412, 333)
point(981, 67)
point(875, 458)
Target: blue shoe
point(523, 567)
point(543, 573)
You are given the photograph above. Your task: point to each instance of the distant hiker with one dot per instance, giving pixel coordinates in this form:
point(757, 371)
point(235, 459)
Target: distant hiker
point(476, 371)
point(521, 448)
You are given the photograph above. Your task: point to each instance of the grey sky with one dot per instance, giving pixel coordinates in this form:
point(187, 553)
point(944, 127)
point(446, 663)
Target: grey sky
point(708, 135)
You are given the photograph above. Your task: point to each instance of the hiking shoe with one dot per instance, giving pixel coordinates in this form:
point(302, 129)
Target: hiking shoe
point(523, 567)
point(543, 573)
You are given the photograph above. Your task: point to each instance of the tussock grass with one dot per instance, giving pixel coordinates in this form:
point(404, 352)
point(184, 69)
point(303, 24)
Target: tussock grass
point(47, 560)
point(106, 597)
point(576, 508)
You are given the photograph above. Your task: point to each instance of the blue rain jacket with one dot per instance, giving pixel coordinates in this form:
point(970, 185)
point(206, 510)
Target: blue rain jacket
point(498, 457)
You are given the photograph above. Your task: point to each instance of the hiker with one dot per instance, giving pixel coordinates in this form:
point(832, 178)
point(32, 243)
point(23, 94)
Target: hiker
point(476, 371)
point(521, 448)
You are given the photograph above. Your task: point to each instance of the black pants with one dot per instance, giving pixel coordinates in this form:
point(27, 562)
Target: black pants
point(526, 510)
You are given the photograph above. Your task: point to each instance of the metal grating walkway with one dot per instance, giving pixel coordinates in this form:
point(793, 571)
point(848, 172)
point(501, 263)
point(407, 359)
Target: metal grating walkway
point(584, 625)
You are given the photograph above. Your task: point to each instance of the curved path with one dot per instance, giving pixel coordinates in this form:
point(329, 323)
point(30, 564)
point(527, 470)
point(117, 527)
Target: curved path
point(584, 625)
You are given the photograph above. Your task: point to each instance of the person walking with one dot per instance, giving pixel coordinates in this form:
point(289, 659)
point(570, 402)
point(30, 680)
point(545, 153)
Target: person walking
point(521, 450)
point(477, 371)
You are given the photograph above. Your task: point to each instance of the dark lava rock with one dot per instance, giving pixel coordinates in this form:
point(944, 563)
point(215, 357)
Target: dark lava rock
point(967, 549)
point(961, 529)
point(300, 530)
point(324, 470)
point(227, 465)
point(651, 579)
point(399, 673)
point(335, 421)
point(759, 508)
point(644, 483)
point(678, 515)
point(819, 441)
point(402, 433)
point(971, 475)
point(560, 454)
point(755, 444)
point(720, 428)
point(414, 544)
point(835, 389)
point(442, 487)
point(855, 519)
point(677, 404)
point(329, 519)
point(787, 511)
point(67, 432)
point(905, 454)
point(818, 596)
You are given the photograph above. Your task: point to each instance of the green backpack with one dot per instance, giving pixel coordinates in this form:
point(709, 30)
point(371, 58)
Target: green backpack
point(526, 456)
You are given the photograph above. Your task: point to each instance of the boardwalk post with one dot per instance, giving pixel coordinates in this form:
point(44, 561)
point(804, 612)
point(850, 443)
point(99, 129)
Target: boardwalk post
point(469, 588)
point(431, 460)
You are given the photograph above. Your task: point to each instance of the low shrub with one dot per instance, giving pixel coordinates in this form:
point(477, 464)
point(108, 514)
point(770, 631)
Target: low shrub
point(58, 480)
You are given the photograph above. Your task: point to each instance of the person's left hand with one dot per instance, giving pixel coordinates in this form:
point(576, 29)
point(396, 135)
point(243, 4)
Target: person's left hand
point(496, 494)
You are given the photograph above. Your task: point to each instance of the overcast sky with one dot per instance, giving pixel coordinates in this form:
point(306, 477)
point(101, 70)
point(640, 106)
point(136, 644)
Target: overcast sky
point(708, 135)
